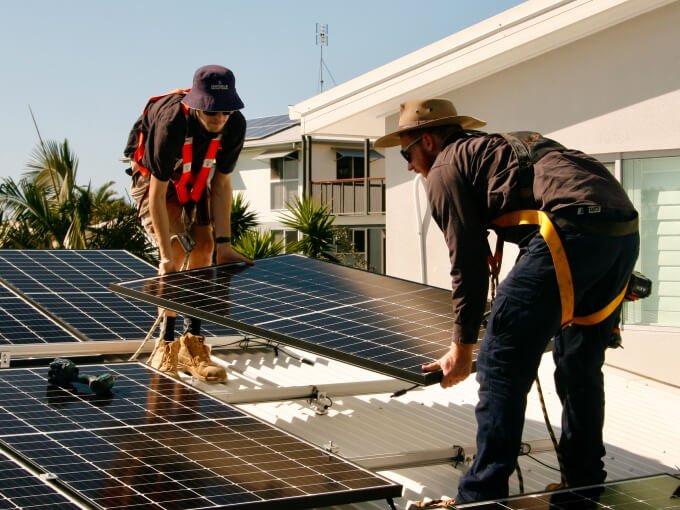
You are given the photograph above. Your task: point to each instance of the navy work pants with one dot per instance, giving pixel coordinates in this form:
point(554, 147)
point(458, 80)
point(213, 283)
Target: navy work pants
point(525, 316)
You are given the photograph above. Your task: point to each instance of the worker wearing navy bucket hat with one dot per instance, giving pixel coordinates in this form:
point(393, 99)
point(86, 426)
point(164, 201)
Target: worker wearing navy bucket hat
point(182, 151)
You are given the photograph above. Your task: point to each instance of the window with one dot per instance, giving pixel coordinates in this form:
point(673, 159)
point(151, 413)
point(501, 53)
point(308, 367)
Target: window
point(287, 237)
point(653, 184)
point(284, 180)
point(349, 167)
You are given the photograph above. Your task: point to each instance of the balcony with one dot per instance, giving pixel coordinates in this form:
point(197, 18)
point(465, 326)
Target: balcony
point(351, 197)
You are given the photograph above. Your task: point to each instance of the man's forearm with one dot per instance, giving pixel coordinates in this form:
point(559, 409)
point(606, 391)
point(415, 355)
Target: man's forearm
point(159, 217)
point(221, 206)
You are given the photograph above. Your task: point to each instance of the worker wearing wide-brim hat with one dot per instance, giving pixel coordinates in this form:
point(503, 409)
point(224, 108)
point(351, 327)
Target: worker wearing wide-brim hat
point(183, 149)
point(579, 241)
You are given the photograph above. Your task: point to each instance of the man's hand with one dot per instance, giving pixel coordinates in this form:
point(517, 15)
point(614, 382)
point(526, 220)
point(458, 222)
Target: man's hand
point(166, 266)
point(455, 365)
point(226, 255)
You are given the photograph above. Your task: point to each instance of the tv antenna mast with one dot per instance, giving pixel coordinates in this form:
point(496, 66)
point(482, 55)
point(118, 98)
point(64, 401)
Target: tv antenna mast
point(321, 41)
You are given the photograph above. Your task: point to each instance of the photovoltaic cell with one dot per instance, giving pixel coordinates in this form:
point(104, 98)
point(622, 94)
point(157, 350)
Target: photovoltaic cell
point(72, 286)
point(652, 492)
point(158, 443)
point(21, 323)
point(374, 321)
point(267, 126)
point(21, 489)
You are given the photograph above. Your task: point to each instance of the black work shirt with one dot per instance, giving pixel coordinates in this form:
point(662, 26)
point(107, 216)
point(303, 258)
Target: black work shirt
point(165, 128)
point(474, 180)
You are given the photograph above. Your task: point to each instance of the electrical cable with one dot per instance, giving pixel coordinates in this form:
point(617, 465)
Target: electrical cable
point(551, 432)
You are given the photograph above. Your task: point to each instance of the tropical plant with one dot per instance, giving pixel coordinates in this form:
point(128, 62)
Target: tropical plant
point(47, 209)
point(315, 222)
point(257, 244)
point(242, 219)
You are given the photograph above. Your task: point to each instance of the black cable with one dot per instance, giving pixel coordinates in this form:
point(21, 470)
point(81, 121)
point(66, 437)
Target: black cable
point(544, 464)
point(520, 478)
point(399, 393)
point(563, 478)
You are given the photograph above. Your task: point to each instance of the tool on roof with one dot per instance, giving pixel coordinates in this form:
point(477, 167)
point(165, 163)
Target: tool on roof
point(64, 373)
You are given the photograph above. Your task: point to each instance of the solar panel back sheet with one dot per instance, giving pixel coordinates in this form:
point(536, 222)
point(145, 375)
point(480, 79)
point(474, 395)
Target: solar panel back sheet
point(374, 321)
point(157, 443)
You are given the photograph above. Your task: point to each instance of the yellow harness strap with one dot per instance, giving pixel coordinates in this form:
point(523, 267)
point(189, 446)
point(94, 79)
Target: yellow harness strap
point(562, 270)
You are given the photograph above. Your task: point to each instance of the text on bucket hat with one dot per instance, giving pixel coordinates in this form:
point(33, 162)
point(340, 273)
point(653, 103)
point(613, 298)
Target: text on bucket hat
point(214, 90)
point(421, 113)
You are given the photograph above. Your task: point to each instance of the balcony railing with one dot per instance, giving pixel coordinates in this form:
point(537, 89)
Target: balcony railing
point(351, 196)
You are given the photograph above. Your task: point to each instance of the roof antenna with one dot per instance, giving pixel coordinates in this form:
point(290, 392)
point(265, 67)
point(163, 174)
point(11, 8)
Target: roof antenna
point(321, 41)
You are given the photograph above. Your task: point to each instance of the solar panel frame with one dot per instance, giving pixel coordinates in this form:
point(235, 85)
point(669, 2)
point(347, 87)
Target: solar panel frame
point(400, 324)
point(649, 492)
point(159, 443)
point(21, 489)
point(71, 288)
point(21, 323)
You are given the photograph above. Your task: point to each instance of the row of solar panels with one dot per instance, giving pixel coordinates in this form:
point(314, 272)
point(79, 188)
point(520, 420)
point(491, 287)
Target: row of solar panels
point(374, 321)
point(156, 443)
point(52, 296)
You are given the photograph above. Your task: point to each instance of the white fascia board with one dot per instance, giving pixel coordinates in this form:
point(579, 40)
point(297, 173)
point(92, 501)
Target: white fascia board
point(519, 34)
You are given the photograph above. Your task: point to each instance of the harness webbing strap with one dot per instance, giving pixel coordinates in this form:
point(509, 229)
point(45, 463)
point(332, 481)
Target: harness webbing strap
point(559, 257)
point(561, 264)
point(188, 186)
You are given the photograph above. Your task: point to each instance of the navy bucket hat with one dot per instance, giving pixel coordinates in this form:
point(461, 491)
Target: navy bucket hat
point(214, 90)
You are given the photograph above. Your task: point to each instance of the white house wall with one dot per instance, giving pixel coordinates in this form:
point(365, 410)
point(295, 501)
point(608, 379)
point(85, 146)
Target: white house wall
point(615, 92)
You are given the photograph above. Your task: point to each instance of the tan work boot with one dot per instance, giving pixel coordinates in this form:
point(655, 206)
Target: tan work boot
point(164, 358)
point(194, 358)
point(432, 503)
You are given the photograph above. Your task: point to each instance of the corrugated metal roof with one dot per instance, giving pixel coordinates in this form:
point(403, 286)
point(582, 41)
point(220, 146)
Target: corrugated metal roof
point(641, 431)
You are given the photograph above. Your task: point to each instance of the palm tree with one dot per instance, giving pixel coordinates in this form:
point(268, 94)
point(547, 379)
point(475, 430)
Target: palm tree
point(315, 222)
point(242, 219)
point(257, 244)
point(47, 209)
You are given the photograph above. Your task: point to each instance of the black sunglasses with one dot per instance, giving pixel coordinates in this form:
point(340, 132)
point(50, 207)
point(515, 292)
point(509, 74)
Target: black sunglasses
point(212, 114)
point(406, 151)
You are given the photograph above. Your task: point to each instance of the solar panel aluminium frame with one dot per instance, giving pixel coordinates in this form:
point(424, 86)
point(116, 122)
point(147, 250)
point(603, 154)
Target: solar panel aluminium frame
point(649, 492)
point(422, 378)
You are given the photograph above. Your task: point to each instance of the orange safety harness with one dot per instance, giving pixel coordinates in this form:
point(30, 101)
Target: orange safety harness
point(196, 182)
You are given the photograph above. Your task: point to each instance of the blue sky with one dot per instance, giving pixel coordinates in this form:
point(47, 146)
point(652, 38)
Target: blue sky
point(86, 68)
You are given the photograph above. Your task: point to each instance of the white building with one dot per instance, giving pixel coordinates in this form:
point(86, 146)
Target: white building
point(597, 75)
point(342, 172)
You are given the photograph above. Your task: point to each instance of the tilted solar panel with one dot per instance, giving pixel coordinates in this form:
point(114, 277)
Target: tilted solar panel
point(158, 443)
point(72, 286)
point(378, 322)
point(648, 493)
point(21, 323)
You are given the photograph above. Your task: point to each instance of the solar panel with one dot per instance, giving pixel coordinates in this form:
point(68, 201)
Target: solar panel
point(19, 488)
point(378, 322)
point(158, 443)
point(72, 287)
point(267, 126)
point(650, 492)
point(21, 323)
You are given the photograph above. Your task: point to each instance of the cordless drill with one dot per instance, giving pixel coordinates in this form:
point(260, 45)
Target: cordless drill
point(63, 372)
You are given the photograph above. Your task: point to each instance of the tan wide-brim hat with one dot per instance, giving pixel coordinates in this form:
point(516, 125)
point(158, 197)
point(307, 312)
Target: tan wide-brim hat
point(422, 113)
